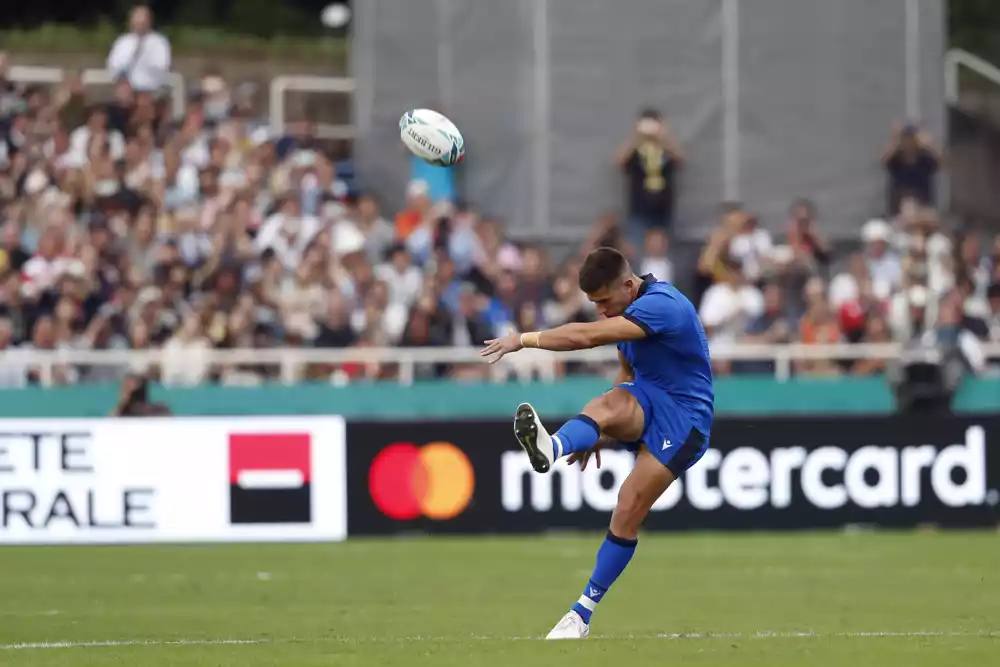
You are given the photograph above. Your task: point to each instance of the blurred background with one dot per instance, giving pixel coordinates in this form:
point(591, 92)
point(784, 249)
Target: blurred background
point(206, 214)
point(212, 195)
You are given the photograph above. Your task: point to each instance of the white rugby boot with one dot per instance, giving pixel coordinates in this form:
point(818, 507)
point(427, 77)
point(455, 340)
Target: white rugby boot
point(570, 626)
point(533, 437)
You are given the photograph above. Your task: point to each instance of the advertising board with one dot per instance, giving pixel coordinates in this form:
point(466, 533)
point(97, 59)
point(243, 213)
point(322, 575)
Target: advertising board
point(172, 480)
point(768, 474)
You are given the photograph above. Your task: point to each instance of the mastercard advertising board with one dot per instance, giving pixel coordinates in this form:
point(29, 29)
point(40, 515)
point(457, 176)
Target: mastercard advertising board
point(420, 477)
point(767, 474)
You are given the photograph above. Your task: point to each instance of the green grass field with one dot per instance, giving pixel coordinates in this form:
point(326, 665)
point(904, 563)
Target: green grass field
point(767, 600)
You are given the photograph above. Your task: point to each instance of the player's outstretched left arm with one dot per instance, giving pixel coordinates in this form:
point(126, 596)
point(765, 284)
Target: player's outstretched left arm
point(573, 336)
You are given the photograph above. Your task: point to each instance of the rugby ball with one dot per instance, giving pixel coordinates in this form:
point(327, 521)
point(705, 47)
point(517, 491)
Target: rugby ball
point(432, 137)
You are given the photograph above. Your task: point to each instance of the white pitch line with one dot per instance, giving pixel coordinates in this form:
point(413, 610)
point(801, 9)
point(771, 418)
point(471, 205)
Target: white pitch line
point(29, 646)
point(803, 635)
point(763, 634)
point(28, 614)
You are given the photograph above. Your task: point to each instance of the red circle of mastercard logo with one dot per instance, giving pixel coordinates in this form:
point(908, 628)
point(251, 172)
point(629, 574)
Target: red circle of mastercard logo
point(434, 481)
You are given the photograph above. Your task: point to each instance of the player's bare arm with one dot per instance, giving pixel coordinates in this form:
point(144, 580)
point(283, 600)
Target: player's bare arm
point(573, 336)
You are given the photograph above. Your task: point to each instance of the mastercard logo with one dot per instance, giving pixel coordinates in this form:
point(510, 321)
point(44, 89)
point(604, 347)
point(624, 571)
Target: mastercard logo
point(435, 480)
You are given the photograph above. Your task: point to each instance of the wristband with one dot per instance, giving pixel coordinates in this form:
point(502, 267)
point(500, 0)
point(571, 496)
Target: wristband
point(529, 339)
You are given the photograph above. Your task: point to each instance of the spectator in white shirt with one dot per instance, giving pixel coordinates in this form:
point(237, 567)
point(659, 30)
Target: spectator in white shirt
point(287, 233)
point(729, 305)
point(13, 370)
point(752, 247)
point(379, 232)
point(141, 55)
point(654, 256)
point(380, 320)
point(405, 280)
point(847, 285)
point(48, 263)
point(931, 255)
point(884, 265)
point(186, 354)
point(82, 140)
point(973, 261)
point(912, 312)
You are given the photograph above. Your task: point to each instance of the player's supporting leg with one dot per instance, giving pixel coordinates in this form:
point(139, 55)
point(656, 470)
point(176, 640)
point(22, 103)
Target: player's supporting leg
point(615, 413)
point(644, 485)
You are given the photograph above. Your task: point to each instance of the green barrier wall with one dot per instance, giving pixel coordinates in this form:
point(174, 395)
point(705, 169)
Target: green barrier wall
point(734, 396)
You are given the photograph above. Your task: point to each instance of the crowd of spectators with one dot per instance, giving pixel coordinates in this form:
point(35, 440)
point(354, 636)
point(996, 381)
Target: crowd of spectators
point(910, 282)
point(123, 227)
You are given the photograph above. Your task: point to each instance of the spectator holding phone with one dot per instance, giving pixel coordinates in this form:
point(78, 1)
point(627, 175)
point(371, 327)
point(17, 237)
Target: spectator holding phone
point(649, 159)
point(911, 162)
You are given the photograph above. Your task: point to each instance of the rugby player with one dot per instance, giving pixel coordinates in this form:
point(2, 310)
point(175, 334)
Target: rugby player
point(661, 406)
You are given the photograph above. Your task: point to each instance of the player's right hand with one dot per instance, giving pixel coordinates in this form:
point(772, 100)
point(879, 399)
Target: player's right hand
point(585, 456)
point(502, 346)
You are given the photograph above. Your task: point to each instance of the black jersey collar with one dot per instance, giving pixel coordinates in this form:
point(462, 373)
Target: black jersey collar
point(647, 281)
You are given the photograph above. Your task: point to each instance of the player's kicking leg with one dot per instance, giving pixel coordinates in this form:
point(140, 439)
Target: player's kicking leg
point(616, 413)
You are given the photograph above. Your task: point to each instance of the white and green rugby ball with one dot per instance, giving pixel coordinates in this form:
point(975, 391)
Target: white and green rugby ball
point(432, 137)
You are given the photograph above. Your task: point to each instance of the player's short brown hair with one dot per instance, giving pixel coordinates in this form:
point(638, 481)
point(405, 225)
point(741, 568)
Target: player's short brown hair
point(602, 267)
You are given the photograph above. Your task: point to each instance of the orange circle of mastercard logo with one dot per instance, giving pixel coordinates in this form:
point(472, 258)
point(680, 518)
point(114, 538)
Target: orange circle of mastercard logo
point(435, 481)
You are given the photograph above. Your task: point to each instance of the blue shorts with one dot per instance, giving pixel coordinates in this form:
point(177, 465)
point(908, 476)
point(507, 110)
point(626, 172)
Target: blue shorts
point(668, 432)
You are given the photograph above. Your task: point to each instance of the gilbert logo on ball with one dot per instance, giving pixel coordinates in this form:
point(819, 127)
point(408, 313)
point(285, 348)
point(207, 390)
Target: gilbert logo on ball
point(432, 137)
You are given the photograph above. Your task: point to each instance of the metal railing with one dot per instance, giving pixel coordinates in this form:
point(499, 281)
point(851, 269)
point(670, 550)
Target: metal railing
point(525, 364)
point(94, 77)
point(281, 85)
point(954, 61)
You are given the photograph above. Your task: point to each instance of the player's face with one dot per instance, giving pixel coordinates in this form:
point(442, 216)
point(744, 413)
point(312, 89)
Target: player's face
point(611, 301)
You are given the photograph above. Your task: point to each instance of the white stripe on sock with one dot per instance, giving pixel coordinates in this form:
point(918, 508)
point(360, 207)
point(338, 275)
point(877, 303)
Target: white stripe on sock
point(587, 603)
point(559, 445)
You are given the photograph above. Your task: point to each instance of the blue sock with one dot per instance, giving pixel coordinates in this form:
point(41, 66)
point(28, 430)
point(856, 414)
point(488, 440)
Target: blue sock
point(577, 435)
point(612, 558)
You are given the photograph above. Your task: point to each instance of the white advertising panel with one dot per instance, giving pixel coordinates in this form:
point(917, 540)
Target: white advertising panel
point(202, 479)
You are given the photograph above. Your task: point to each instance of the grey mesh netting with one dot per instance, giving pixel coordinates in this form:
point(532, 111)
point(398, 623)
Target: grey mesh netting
point(820, 85)
point(545, 90)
